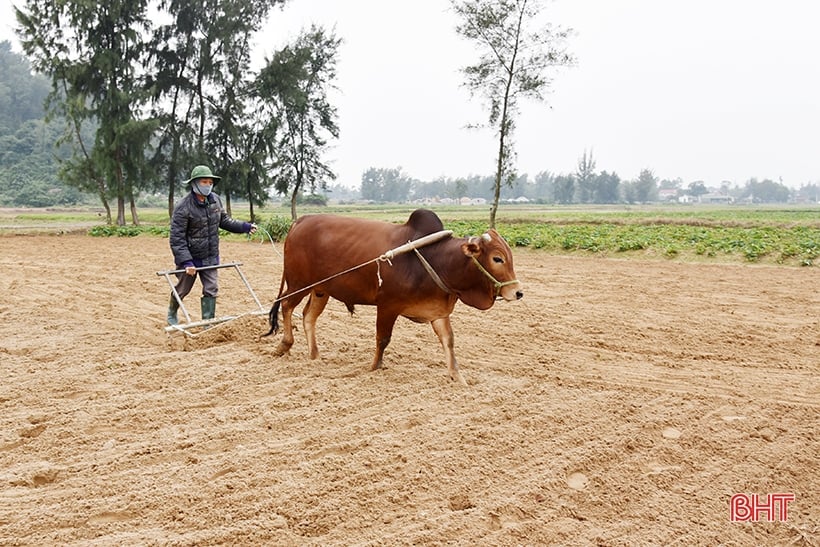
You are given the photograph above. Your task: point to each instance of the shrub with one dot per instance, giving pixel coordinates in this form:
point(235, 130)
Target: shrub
point(277, 227)
point(119, 231)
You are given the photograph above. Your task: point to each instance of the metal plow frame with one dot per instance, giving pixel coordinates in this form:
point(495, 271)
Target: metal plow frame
point(184, 327)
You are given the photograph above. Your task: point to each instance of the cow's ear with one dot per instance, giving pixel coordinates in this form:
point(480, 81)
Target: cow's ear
point(471, 247)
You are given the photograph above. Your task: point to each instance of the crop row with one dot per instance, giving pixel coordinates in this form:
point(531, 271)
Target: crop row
point(780, 244)
point(799, 244)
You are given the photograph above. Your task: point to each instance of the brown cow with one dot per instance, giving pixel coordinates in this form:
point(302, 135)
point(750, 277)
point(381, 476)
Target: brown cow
point(319, 248)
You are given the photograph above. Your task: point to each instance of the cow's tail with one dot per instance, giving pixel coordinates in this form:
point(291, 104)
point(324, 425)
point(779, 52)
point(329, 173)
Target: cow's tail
point(273, 314)
point(273, 319)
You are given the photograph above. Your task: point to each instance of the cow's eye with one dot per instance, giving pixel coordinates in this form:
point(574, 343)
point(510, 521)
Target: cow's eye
point(498, 260)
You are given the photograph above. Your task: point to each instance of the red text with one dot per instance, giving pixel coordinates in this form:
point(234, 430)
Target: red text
point(754, 508)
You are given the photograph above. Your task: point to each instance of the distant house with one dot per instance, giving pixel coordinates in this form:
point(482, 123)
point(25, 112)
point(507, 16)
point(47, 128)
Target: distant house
point(667, 194)
point(472, 201)
point(450, 201)
point(519, 199)
point(715, 198)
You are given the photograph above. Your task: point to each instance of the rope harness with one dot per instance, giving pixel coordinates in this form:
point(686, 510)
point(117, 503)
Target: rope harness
point(496, 283)
point(432, 273)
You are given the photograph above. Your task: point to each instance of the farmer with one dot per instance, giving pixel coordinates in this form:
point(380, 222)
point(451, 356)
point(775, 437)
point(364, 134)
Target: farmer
point(194, 240)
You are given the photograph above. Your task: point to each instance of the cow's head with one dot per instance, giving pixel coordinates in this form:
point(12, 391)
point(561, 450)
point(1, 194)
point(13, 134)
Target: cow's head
point(492, 257)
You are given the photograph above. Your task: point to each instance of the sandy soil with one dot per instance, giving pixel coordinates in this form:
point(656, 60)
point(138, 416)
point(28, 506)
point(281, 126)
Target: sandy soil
point(622, 402)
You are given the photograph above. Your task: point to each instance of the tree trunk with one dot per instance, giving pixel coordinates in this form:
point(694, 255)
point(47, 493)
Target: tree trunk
point(297, 187)
point(135, 219)
point(293, 205)
point(250, 200)
point(502, 150)
point(496, 197)
point(172, 170)
point(104, 201)
point(171, 200)
point(120, 211)
point(120, 194)
point(499, 173)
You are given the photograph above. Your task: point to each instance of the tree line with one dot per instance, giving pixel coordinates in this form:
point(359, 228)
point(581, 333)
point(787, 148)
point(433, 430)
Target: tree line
point(30, 165)
point(146, 89)
point(139, 92)
point(584, 186)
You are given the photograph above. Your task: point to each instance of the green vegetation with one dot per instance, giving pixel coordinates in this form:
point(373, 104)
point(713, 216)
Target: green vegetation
point(798, 244)
point(779, 235)
point(775, 235)
point(108, 230)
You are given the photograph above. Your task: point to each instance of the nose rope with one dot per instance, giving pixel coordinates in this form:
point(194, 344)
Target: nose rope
point(496, 283)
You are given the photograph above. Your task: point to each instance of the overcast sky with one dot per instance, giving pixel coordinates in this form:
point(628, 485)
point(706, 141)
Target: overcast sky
point(708, 90)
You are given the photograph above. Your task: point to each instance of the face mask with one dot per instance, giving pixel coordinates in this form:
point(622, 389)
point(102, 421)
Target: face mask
point(202, 189)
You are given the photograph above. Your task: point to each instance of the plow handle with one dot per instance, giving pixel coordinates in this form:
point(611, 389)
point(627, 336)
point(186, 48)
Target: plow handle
point(200, 268)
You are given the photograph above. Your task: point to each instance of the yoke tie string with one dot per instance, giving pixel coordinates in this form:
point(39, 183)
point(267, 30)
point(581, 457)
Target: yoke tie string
point(432, 273)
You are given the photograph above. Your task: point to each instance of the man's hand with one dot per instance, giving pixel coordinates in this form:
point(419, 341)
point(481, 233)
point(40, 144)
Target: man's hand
point(253, 229)
point(190, 270)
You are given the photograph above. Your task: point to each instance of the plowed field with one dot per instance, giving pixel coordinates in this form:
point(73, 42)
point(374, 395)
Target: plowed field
point(621, 402)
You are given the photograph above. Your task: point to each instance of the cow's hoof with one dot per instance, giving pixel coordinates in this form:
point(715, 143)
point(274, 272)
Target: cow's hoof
point(457, 377)
point(281, 350)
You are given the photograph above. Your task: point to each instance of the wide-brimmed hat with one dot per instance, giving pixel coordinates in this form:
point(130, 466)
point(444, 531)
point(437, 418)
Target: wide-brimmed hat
point(202, 172)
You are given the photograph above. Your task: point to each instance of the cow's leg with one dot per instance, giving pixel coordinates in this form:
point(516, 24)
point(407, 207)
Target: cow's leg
point(313, 309)
point(444, 331)
point(287, 326)
point(384, 331)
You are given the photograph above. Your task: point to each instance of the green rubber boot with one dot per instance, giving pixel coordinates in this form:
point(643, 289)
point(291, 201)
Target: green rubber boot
point(173, 306)
point(208, 307)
